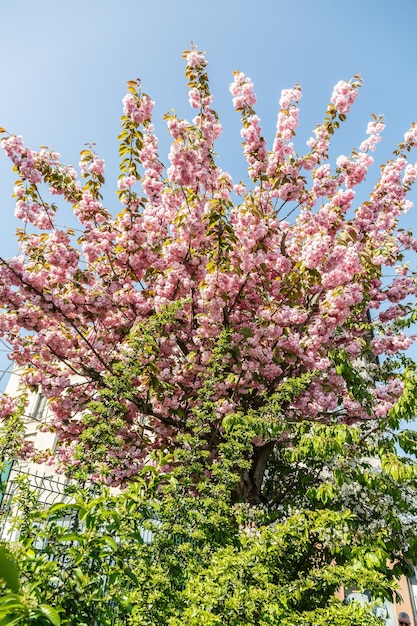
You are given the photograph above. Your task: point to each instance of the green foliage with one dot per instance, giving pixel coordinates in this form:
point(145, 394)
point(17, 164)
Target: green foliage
point(213, 559)
point(15, 612)
point(332, 507)
point(75, 557)
point(8, 570)
point(355, 382)
point(406, 407)
point(12, 431)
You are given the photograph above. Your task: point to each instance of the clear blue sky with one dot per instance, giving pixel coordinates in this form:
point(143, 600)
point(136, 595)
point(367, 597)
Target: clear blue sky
point(64, 65)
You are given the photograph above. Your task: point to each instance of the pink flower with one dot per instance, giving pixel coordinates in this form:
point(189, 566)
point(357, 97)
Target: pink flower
point(196, 59)
point(138, 109)
point(97, 166)
point(290, 95)
point(126, 182)
point(194, 97)
point(243, 92)
point(410, 137)
point(373, 130)
point(343, 96)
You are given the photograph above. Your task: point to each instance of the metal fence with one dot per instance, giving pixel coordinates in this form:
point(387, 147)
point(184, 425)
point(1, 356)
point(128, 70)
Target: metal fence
point(45, 490)
point(48, 489)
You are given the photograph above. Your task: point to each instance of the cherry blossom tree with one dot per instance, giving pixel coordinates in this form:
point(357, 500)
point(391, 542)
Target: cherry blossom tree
point(248, 339)
point(117, 321)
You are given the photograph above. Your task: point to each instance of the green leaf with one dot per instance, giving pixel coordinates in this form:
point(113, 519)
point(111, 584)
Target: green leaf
point(110, 541)
point(11, 621)
point(51, 613)
point(58, 506)
point(132, 576)
point(8, 570)
point(70, 537)
point(371, 560)
point(9, 602)
point(10, 605)
point(338, 476)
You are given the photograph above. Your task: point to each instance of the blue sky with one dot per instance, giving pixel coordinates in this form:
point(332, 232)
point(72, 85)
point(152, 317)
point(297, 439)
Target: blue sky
point(64, 66)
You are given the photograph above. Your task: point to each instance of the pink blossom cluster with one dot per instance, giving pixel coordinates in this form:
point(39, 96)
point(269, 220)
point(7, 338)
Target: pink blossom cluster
point(374, 131)
point(138, 109)
point(30, 212)
point(288, 96)
point(342, 264)
point(410, 137)
point(196, 59)
point(407, 241)
point(22, 157)
point(378, 218)
point(194, 98)
point(343, 96)
point(319, 146)
point(283, 149)
point(410, 174)
point(288, 116)
point(191, 153)
point(324, 184)
point(184, 164)
point(353, 170)
point(96, 166)
point(126, 182)
point(391, 313)
point(343, 199)
point(254, 146)
point(400, 288)
point(90, 211)
point(207, 122)
point(315, 249)
point(242, 91)
point(391, 344)
point(8, 406)
point(316, 400)
point(287, 123)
